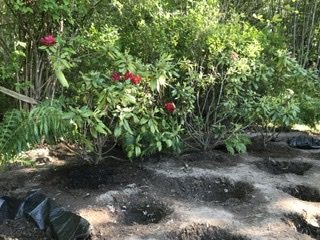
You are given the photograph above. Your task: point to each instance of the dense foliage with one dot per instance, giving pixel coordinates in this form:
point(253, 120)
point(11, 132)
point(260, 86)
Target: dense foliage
point(153, 76)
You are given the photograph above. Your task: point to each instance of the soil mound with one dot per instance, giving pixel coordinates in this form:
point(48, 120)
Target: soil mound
point(204, 232)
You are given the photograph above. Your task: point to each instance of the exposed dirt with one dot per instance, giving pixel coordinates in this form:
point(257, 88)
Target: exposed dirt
point(304, 193)
point(303, 226)
point(204, 232)
point(88, 176)
point(20, 229)
point(142, 210)
point(269, 193)
point(207, 189)
point(281, 167)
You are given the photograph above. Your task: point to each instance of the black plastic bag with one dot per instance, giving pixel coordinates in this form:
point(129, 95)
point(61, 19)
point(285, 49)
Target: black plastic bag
point(47, 215)
point(8, 208)
point(304, 142)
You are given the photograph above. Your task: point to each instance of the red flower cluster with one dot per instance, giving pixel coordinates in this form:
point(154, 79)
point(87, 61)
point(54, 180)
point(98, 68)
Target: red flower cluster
point(48, 40)
point(170, 107)
point(135, 79)
point(116, 76)
point(128, 75)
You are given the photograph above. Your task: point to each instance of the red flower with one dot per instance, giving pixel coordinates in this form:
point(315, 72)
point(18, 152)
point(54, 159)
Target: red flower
point(48, 40)
point(116, 76)
point(135, 79)
point(170, 107)
point(128, 75)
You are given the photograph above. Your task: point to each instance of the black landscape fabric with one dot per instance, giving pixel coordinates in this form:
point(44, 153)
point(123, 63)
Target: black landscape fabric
point(46, 214)
point(304, 142)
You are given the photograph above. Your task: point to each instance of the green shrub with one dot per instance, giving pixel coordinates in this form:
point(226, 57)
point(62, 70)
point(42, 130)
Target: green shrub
point(132, 104)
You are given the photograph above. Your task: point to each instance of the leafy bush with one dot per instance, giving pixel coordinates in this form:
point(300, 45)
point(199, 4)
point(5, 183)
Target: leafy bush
point(225, 84)
point(134, 105)
point(236, 73)
point(290, 98)
point(149, 74)
point(273, 113)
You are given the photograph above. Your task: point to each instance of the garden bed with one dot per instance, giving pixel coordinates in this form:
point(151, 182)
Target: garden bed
point(215, 196)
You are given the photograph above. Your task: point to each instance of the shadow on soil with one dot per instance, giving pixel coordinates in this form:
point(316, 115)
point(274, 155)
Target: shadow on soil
point(282, 167)
point(272, 149)
point(88, 176)
point(304, 193)
point(302, 226)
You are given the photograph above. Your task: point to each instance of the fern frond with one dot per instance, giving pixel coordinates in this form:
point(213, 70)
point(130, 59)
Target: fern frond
point(21, 130)
point(9, 129)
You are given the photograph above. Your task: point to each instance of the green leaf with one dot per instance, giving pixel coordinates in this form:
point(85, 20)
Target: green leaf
point(127, 127)
point(161, 82)
point(138, 151)
point(130, 154)
point(129, 140)
point(159, 146)
point(153, 84)
point(117, 131)
point(100, 128)
point(131, 99)
point(152, 128)
point(62, 79)
point(168, 142)
point(93, 132)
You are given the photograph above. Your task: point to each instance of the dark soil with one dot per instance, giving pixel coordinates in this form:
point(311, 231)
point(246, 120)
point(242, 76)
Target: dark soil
point(93, 176)
point(304, 193)
point(302, 226)
point(210, 159)
point(121, 200)
point(20, 229)
point(204, 232)
point(141, 208)
point(204, 188)
point(272, 149)
point(281, 167)
point(144, 212)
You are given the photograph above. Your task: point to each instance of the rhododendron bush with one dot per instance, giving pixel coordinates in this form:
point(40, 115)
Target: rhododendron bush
point(150, 76)
point(135, 115)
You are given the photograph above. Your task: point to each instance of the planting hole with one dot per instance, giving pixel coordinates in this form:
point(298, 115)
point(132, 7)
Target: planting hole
point(302, 226)
point(304, 193)
point(204, 232)
point(144, 214)
point(281, 167)
point(143, 211)
point(204, 189)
